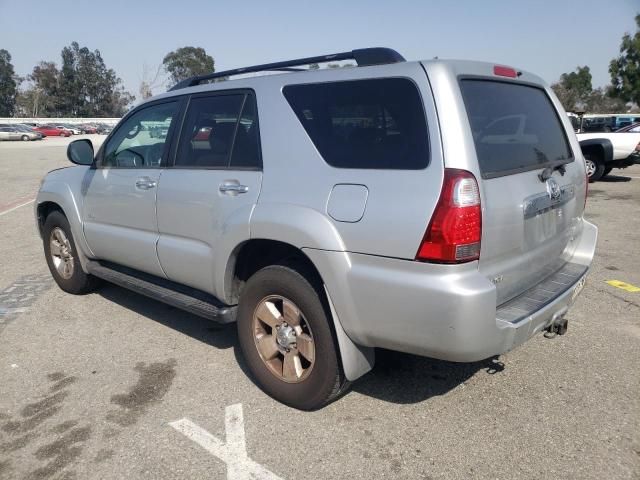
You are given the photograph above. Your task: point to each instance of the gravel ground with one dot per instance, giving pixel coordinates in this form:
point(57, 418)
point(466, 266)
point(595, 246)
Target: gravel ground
point(89, 384)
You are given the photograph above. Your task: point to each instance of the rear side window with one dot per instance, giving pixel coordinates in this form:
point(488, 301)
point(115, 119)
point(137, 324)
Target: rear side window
point(220, 131)
point(368, 124)
point(515, 127)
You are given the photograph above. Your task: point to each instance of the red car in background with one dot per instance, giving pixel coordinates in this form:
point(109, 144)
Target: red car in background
point(53, 131)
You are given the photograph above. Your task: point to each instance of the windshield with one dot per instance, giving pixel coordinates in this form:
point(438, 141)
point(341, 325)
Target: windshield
point(515, 127)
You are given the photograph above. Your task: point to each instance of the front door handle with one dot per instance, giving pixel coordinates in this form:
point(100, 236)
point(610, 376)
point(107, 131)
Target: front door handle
point(145, 183)
point(232, 188)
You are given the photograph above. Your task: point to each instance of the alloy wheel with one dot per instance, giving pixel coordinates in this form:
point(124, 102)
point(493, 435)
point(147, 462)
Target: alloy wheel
point(283, 339)
point(61, 255)
point(591, 167)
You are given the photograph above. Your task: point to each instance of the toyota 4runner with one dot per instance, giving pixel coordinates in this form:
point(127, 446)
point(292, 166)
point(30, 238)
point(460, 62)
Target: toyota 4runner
point(430, 207)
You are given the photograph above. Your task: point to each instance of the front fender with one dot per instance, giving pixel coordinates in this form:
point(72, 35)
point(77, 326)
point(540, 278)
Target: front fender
point(62, 193)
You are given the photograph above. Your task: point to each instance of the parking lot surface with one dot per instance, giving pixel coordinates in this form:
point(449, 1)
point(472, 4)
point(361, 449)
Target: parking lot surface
point(112, 385)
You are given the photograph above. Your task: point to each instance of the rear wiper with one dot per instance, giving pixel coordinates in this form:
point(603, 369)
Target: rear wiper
point(547, 172)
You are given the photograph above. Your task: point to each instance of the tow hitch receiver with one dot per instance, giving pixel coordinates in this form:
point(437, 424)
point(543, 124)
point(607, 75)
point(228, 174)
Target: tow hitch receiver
point(558, 325)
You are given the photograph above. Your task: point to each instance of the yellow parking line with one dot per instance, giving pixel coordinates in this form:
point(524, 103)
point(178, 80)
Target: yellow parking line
point(623, 285)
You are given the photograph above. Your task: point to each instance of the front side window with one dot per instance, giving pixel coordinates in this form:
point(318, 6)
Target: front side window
point(219, 131)
point(368, 124)
point(140, 141)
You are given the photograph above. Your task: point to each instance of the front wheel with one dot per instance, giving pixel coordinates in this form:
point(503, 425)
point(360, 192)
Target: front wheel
point(287, 340)
point(25, 138)
point(62, 256)
point(595, 168)
point(607, 171)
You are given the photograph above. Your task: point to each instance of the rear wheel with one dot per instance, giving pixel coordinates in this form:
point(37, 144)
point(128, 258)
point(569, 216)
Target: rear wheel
point(595, 167)
point(286, 338)
point(62, 256)
point(607, 171)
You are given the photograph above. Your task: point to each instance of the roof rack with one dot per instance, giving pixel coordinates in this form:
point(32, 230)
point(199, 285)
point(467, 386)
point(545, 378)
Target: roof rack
point(362, 56)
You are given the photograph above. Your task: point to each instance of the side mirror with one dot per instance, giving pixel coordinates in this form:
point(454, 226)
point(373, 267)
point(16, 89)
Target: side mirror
point(80, 152)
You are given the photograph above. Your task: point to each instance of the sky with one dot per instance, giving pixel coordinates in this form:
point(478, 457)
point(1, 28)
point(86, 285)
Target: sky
point(547, 37)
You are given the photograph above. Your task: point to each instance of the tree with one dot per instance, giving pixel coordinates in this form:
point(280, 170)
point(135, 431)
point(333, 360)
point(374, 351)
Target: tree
point(574, 88)
point(86, 87)
point(8, 85)
point(149, 82)
point(187, 62)
point(600, 100)
point(625, 70)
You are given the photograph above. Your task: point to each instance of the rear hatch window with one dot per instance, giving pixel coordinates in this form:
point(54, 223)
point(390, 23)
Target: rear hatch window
point(515, 127)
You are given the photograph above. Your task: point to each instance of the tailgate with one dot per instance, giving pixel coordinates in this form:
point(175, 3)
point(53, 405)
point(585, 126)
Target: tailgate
point(532, 210)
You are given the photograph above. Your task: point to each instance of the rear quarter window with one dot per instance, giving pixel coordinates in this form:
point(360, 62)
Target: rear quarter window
point(515, 127)
point(365, 124)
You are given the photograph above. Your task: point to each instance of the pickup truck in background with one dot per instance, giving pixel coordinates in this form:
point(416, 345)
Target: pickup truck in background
point(605, 151)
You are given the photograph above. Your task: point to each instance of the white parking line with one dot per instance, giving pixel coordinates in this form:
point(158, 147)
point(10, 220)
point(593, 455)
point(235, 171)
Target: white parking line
point(17, 206)
point(233, 452)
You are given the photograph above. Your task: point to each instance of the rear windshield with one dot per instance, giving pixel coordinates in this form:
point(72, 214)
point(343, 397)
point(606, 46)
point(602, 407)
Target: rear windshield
point(515, 127)
point(375, 123)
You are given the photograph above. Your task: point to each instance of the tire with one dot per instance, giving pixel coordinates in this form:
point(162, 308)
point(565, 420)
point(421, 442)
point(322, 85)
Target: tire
point(25, 138)
point(62, 135)
point(75, 281)
point(595, 168)
point(607, 171)
point(322, 379)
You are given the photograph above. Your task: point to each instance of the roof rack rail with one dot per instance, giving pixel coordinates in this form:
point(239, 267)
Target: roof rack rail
point(362, 56)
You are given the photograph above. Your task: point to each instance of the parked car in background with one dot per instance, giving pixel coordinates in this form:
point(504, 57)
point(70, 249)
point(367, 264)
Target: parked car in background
point(14, 133)
point(28, 129)
point(598, 124)
point(103, 128)
point(53, 131)
point(72, 128)
point(633, 128)
point(88, 128)
point(605, 151)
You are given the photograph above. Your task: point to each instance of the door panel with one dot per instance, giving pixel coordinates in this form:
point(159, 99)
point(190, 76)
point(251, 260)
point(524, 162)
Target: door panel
point(120, 223)
point(192, 216)
point(120, 219)
point(215, 180)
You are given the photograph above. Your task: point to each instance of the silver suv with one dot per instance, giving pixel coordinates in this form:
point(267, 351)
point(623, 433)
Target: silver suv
point(430, 207)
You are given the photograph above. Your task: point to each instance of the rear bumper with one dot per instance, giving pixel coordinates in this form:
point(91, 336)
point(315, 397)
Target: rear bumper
point(440, 311)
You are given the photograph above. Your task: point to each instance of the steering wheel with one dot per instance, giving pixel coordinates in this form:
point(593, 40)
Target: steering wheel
point(121, 159)
point(154, 154)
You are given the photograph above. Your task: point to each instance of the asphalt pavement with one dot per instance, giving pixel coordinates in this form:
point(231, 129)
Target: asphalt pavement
point(113, 385)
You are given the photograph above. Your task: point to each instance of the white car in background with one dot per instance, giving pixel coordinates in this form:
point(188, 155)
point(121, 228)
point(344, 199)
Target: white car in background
point(72, 128)
point(604, 151)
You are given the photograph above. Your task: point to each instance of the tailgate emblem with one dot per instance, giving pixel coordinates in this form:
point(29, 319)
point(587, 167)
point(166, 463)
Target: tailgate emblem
point(553, 189)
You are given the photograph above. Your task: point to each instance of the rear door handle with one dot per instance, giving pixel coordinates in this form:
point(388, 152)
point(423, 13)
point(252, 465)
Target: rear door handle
point(231, 188)
point(145, 183)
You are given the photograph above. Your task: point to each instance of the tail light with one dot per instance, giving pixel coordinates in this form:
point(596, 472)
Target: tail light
point(454, 233)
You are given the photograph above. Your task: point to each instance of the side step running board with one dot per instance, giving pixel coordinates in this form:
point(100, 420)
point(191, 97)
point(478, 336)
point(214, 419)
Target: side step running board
point(184, 298)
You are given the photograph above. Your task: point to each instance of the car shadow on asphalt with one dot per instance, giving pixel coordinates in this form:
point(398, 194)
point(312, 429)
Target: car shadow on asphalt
point(396, 377)
point(615, 178)
point(405, 379)
point(217, 335)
